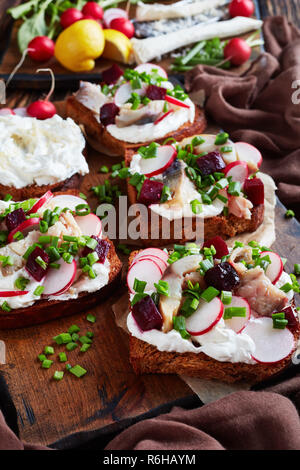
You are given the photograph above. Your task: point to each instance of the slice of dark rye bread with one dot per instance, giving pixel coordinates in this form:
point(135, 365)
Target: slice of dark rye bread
point(147, 359)
point(33, 190)
point(224, 226)
point(45, 310)
point(100, 137)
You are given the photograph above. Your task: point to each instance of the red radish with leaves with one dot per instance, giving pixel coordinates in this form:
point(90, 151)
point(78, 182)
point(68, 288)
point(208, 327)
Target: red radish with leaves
point(124, 26)
point(41, 48)
point(93, 9)
point(111, 13)
point(70, 16)
point(43, 109)
point(241, 8)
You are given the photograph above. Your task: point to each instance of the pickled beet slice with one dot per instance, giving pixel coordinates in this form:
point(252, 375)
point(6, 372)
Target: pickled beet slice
point(220, 246)
point(155, 92)
point(210, 163)
point(112, 74)
point(147, 315)
point(101, 249)
point(151, 192)
point(33, 268)
point(14, 219)
point(255, 190)
point(290, 317)
point(108, 113)
point(223, 276)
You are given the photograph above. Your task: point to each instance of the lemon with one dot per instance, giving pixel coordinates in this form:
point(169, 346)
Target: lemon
point(117, 46)
point(79, 45)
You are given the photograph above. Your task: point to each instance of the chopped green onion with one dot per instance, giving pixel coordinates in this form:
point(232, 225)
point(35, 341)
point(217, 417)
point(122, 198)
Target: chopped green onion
point(71, 346)
point(62, 357)
point(91, 318)
point(221, 138)
point(139, 286)
point(46, 364)
point(286, 287)
point(73, 329)
point(5, 307)
point(104, 169)
point(21, 283)
point(82, 209)
point(39, 290)
point(226, 297)
point(7, 197)
point(297, 269)
point(48, 350)
point(231, 312)
point(63, 338)
point(85, 340)
point(18, 236)
point(196, 206)
point(41, 262)
point(91, 243)
point(162, 288)
point(179, 325)
point(58, 375)
point(42, 357)
point(85, 347)
point(92, 258)
point(209, 294)
point(289, 214)
point(78, 371)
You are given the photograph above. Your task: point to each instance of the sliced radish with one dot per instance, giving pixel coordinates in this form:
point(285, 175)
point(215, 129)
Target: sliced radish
point(112, 13)
point(144, 270)
point(20, 112)
point(166, 155)
point(238, 171)
point(148, 68)
point(271, 344)
point(67, 200)
point(275, 268)
point(237, 324)
point(57, 281)
point(152, 252)
point(249, 154)
point(163, 116)
point(13, 293)
point(175, 101)
point(46, 197)
point(123, 93)
point(161, 264)
point(25, 227)
point(207, 315)
point(89, 224)
point(7, 112)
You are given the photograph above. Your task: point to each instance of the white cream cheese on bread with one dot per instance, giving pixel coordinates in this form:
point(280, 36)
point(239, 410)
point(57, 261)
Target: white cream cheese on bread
point(40, 152)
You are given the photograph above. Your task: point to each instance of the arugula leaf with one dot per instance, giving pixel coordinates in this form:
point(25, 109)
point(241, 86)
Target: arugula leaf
point(23, 9)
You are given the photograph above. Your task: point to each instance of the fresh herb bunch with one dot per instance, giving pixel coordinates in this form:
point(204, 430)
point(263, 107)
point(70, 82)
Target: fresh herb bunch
point(210, 52)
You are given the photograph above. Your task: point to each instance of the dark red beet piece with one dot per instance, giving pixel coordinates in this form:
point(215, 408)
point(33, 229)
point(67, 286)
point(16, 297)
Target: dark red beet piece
point(289, 315)
point(33, 268)
point(255, 190)
point(210, 163)
point(108, 113)
point(14, 219)
point(101, 249)
point(154, 92)
point(146, 314)
point(220, 246)
point(112, 74)
point(151, 192)
point(223, 276)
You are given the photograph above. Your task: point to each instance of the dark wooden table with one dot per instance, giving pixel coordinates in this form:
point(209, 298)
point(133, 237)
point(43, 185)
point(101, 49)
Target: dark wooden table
point(48, 410)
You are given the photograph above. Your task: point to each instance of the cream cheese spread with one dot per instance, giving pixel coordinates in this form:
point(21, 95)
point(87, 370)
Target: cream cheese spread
point(40, 152)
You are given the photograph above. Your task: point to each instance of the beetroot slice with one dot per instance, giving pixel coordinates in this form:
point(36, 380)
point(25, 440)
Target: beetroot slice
point(210, 163)
point(108, 113)
point(255, 190)
point(219, 244)
point(151, 192)
point(14, 219)
point(101, 249)
point(33, 268)
point(155, 92)
point(146, 314)
point(112, 74)
point(223, 276)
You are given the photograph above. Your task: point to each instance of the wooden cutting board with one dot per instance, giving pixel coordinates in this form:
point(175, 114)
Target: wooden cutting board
point(110, 392)
point(26, 77)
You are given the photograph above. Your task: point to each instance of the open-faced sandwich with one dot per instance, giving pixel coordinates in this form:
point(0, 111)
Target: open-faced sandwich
point(40, 155)
point(132, 108)
point(204, 178)
point(54, 260)
point(215, 313)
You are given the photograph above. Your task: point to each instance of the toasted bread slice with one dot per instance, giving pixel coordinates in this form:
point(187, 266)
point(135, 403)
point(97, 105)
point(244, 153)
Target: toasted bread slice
point(32, 191)
point(102, 140)
point(147, 359)
point(224, 226)
point(45, 310)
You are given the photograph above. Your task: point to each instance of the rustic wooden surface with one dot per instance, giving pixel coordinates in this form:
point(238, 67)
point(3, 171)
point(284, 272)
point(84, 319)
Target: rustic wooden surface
point(110, 392)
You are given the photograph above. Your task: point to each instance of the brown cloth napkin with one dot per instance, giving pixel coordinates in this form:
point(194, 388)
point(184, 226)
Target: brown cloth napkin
point(256, 420)
point(257, 106)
